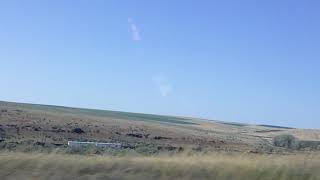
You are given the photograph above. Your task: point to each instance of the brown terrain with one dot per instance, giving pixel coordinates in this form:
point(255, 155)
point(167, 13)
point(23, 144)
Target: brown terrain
point(53, 126)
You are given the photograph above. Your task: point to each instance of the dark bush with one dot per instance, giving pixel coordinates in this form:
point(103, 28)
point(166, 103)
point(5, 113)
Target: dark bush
point(312, 145)
point(285, 141)
point(2, 133)
point(77, 130)
point(290, 142)
point(135, 135)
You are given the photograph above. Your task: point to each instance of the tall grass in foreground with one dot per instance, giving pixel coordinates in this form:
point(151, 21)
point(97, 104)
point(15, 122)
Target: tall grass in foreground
point(213, 166)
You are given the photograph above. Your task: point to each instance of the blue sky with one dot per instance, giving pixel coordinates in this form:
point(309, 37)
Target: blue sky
point(243, 61)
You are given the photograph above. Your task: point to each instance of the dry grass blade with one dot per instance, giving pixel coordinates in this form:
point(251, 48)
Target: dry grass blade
point(214, 166)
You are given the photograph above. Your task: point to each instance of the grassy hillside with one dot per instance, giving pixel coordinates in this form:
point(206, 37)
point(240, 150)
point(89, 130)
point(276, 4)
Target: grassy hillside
point(24, 125)
point(33, 145)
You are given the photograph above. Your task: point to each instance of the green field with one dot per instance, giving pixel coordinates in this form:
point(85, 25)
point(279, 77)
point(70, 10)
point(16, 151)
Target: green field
point(102, 113)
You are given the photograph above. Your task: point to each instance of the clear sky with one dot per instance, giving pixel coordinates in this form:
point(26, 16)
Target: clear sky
point(243, 61)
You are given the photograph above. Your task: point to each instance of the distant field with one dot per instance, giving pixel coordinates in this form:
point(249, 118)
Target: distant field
point(272, 126)
point(200, 167)
point(104, 113)
point(234, 124)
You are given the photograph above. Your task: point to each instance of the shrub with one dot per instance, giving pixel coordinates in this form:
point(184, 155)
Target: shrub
point(285, 141)
point(311, 145)
point(290, 142)
point(77, 130)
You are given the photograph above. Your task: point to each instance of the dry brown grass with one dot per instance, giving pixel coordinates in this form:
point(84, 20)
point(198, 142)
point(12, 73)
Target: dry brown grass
point(24, 126)
point(52, 125)
point(183, 166)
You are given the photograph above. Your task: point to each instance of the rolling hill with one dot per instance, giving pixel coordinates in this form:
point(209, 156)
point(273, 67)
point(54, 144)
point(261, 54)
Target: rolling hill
point(53, 126)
